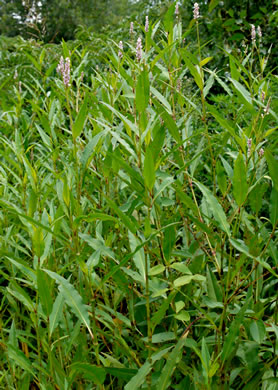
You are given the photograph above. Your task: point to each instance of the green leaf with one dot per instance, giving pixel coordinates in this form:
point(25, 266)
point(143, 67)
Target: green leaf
point(213, 4)
point(149, 170)
point(20, 359)
point(240, 186)
point(171, 363)
point(183, 280)
point(90, 372)
point(244, 96)
point(160, 314)
point(273, 168)
point(273, 206)
point(90, 149)
point(157, 269)
point(227, 125)
point(44, 289)
point(181, 267)
point(140, 377)
point(80, 119)
point(194, 70)
point(205, 355)
point(132, 226)
point(56, 313)
point(257, 330)
point(169, 242)
point(205, 61)
point(162, 100)
point(142, 91)
point(73, 299)
point(183, 316)
point(231, 339)
point(122, 373)
point(216, 208)
point(221, 177)
point(214, 291)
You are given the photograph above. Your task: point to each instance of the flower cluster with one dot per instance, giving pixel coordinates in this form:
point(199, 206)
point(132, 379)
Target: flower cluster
point(147, 24)
point(121, 48)
point(177, 9)
point(131, 30)
point(253, 33)
point(196, 14)
point(63, 69)
point(139, 49)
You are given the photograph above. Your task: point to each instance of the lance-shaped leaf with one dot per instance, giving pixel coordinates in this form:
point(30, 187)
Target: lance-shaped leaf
point(171, 364)
point(72, 298)
point(216, 208)
point(149, 170)
point(142, 91)
point(273, 168)
point(80, 119)
point(240, 186)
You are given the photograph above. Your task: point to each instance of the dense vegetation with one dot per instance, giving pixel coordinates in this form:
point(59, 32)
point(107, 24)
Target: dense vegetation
point(139, 210)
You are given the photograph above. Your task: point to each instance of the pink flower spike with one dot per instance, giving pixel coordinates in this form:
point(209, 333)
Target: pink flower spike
point(147, 24)
point(121, 47)
point(196, 14)
point(139, 49)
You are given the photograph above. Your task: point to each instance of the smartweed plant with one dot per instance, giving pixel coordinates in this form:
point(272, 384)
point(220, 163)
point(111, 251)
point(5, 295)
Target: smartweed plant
point(138, 214)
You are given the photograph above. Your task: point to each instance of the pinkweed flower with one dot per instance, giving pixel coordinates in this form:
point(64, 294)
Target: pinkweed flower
point(196, 14)
point(19, 87)
point(253, 33)
point(259, 32)
point(66, 73)
point(177, 9)
point(263, 96)
point(261, 152)
point(60, 66)
point(147, 24)
point(121, 48)
point(15, 75)
point(131, 29)
point(139, 49)
point(63, 69)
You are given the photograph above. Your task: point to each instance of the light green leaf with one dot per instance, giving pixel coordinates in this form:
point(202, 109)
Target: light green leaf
point(171, 363)
point(273, 206)
point(216, 208)
point(56, 313)
point(44, 289)
point(20, 359)
point(142, 91)
point(94, 374)
point(90, 149)
point(162, 100)
point(149, 170)
point(273, 168)
point(240, 185)
point(73, 299)
point(157, 269)
point(257, 330)
point(80, 119)
point(183, 280)
point(244, 95)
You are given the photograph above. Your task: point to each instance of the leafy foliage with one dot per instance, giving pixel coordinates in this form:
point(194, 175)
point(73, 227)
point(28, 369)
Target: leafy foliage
point(138, 214)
